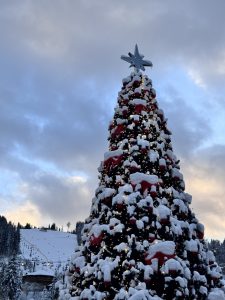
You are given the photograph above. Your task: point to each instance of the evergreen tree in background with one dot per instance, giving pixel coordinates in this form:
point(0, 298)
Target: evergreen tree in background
point(10, 276)
point(10, 280)
point(218, 249)
point(9, 238)
point(79, 228)
point(28, 226)
point(141, 240)
point(2, 272)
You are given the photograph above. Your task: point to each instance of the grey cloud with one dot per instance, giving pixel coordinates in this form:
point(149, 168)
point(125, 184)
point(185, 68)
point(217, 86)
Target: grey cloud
point(190, 128)
point(60, 199)
point(79, 34)
point(60, 74)
point(205, 177)
point(211, 159)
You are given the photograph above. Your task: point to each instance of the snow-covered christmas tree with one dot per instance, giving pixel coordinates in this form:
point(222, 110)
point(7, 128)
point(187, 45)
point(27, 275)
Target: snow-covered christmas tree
point(141, 240)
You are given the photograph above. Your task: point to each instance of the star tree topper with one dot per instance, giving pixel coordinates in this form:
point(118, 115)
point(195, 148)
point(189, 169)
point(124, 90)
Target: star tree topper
point(136, 60)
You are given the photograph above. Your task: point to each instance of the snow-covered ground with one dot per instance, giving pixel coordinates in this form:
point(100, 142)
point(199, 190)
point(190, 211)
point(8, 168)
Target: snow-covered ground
point(46, 250)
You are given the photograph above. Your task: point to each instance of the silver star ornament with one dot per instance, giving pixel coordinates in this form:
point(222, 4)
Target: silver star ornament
point(136, 60)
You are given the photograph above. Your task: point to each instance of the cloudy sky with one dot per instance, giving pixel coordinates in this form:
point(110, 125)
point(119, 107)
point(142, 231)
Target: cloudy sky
point(60, 72)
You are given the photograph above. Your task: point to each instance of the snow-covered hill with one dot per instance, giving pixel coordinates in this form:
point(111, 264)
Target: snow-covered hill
point(46, 250)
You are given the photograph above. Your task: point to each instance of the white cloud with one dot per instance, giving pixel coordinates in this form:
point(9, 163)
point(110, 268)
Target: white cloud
point(60, 72)
point(204, 180)
point(196, 77)
point(26, 213)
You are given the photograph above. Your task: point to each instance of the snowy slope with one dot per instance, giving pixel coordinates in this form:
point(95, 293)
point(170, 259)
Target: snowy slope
point(49, 251)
